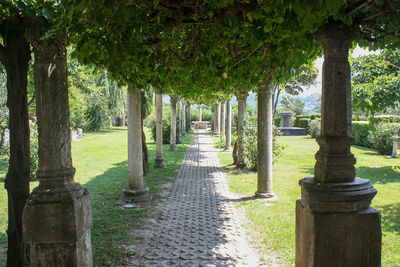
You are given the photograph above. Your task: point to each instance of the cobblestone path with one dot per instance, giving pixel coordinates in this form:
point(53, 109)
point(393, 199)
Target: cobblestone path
point(198, 224)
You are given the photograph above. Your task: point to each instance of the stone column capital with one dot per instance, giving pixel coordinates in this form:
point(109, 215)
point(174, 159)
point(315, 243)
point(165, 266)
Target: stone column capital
point(242, 95)
point(158, 91)
point(336, 39)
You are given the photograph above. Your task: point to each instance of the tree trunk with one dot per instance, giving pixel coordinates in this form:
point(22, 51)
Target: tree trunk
point(277, 92)
point(17, 181)
point(145, 150)
point(172, 139)
point(241, 97)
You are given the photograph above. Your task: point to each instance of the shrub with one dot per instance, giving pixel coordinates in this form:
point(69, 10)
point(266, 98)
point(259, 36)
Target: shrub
point(380, 138)
point(277, 121)
point(166, 123)
point(250, 142)
point(315, 128)
point(360, 131)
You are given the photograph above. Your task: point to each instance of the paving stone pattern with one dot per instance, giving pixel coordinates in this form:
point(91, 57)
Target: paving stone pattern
point(198, 225)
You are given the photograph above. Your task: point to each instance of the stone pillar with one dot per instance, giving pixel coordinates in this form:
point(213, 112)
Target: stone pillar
point(216, 120)
point(172, 140)
point(159, 161)
point(188, 119)
point(285, 118)
point(264, 141)
point(395, 140)
point(335, 225)
point(57, 216)
point(228, 125)
point(222, 118)
point(136, 190)
point(183, 110)
point(241, 98)
point(200, 112)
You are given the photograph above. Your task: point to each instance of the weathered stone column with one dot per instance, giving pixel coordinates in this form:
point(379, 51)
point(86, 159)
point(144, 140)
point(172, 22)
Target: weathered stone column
point(241, 98)
point(188, 119)
point(228, 125)
point(335, 225)
point(200, 112)
point(183, 110)
point(57, 216)
point(136, 190)
point(216, 119)
point(159, 161)
point(222, 118)
point(264, 141)
point(172, 140)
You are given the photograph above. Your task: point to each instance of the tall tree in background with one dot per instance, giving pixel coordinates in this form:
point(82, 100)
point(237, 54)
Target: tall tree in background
point(376, 82)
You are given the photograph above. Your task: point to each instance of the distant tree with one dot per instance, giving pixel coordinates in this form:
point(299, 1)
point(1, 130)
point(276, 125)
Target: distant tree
point(376, 82)
point(292, 104)
point(294, 86)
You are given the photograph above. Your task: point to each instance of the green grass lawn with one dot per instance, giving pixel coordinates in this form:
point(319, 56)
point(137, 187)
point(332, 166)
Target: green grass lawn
point(101, 166)
point(273, 227)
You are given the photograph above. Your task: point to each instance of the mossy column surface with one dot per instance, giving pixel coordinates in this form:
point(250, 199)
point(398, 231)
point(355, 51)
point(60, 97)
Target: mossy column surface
point(172, 139)
point(264, 142)
point(57, 216)
point(241, 98)
point(136, 190)
point(335, 225)
point(228, 125)
point(159, 161)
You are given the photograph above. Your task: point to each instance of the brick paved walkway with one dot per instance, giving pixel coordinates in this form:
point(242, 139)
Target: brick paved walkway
point(198, 225)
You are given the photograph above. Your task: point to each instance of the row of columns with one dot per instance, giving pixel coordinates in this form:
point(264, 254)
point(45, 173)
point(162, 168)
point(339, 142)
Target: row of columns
point(335, 225)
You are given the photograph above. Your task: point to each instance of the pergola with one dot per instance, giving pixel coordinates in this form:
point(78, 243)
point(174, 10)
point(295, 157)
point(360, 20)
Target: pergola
point(335, 224)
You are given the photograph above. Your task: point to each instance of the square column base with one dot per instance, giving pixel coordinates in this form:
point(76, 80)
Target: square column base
point(59, 231)
point(337, 238)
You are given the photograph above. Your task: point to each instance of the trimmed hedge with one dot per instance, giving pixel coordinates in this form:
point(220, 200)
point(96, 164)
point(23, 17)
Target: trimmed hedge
point(361, 133)
point(304, 123)
point(299, 120)
point(387, 118)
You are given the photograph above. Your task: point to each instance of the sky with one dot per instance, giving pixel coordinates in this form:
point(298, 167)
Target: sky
point(316, 89)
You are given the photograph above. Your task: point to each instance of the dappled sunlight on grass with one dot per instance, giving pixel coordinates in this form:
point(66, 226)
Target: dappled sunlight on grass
point(100, 159)
point(273, 226)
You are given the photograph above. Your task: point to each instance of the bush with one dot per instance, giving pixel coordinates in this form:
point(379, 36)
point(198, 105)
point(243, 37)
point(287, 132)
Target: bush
point(166, 122)
point(315, 128)
point(206, 114)
point(250, 142)
point(360, 131)
point(277, 121)
point(380, 138)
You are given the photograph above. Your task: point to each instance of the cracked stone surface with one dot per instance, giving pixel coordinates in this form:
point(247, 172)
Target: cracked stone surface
point(198, 224)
